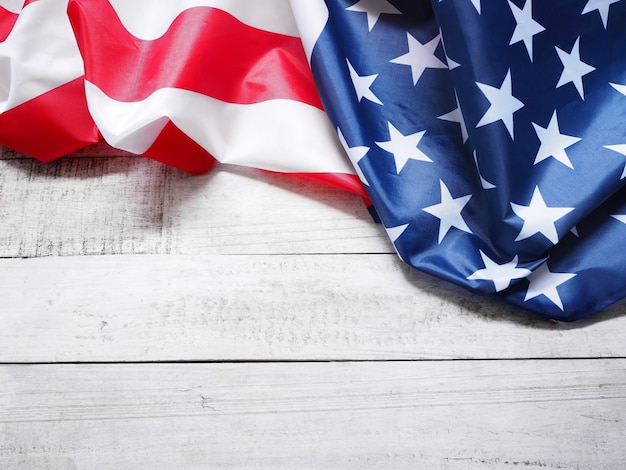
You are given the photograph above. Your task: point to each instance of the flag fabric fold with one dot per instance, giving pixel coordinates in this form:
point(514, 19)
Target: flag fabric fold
point(488, 135)
point(185, 83)
point(43, 110)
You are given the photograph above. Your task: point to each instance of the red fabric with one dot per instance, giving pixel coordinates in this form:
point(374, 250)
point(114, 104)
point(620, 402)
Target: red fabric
point(51, 125)
point(7, 20)
point(205, 50)
point(173, 147)
point(349, 183)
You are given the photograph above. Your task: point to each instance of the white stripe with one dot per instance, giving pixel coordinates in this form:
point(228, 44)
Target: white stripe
point(149, 19)
point(276, 135)
point(14, 6)
point(311, 17)
point(40, 54)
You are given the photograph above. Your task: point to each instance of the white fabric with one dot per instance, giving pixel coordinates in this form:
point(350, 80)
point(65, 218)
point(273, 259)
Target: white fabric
point(149, 19)
point(311, 17)
point(276, 135)
point(39, 54)
point(14, 6)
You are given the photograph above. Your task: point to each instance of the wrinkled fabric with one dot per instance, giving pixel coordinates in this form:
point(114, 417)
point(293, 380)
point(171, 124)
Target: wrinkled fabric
point(185, 83)
point(490, 137)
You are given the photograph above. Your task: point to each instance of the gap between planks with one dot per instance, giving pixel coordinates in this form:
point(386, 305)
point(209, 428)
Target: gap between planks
point(301, 361)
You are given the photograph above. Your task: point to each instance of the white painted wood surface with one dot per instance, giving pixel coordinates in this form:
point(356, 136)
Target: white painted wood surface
point(131, 205)
point(267, 307)
point(152, 319)
point(391, 415)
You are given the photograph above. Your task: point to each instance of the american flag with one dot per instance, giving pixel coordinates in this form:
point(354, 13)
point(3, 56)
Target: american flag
point(43, 111)
point(490, 136)
point(8, 17)
point(487, 134)
point(186, 83)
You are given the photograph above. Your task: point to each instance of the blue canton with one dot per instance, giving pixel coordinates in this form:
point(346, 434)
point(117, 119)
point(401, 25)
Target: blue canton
point(491, 138)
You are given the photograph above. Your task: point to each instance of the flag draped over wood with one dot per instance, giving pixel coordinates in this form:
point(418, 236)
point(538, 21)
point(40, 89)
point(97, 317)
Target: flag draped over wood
point(185, 83)
point(487, 134)
point(43, 111)
point(491, 136)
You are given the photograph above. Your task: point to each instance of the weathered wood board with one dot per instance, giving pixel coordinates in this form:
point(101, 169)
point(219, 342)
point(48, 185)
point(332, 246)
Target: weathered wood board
point(400, 415)
point(267, 307)
point(241, 319)
point(133, 205)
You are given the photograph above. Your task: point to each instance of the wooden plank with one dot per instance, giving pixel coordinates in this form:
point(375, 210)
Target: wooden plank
point(235, 210)
point(81, 206)
point(132, 205)
point(400, 415)
point(275, 307)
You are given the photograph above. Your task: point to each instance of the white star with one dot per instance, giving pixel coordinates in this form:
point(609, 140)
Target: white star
point(526, 26)
point(373, 9)
point(403, 147)
point(395, 232)
point(539, 218)
point(420, 57)
point(362, 84)
point(620, 88)
point(483, 182)
point(456, 116)
point(500, 274)
point(574, 69)
point(553, 143)
point(451, 63)
point(476, 4)
point(620, 217)
point(544, 282)
point(620, 149)
point(603, 8)
point(448, 211)
point(355, 154)
point(502, 104)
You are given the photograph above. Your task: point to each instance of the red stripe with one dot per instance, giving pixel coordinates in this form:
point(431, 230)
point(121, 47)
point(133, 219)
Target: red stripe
point(350, 183)
point(51, 125)
point(175, 148)
point(7, 21)
point(205, 50)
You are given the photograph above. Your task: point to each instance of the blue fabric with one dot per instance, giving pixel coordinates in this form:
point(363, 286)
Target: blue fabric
point(525, 205)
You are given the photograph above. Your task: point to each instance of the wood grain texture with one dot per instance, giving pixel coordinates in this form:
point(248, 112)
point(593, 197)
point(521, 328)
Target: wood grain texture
point(279, 307)
point(236, 210)
point(81, 206)
point(123, 266)
point(99, 149)
point(443, 415)
point(133, 205)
